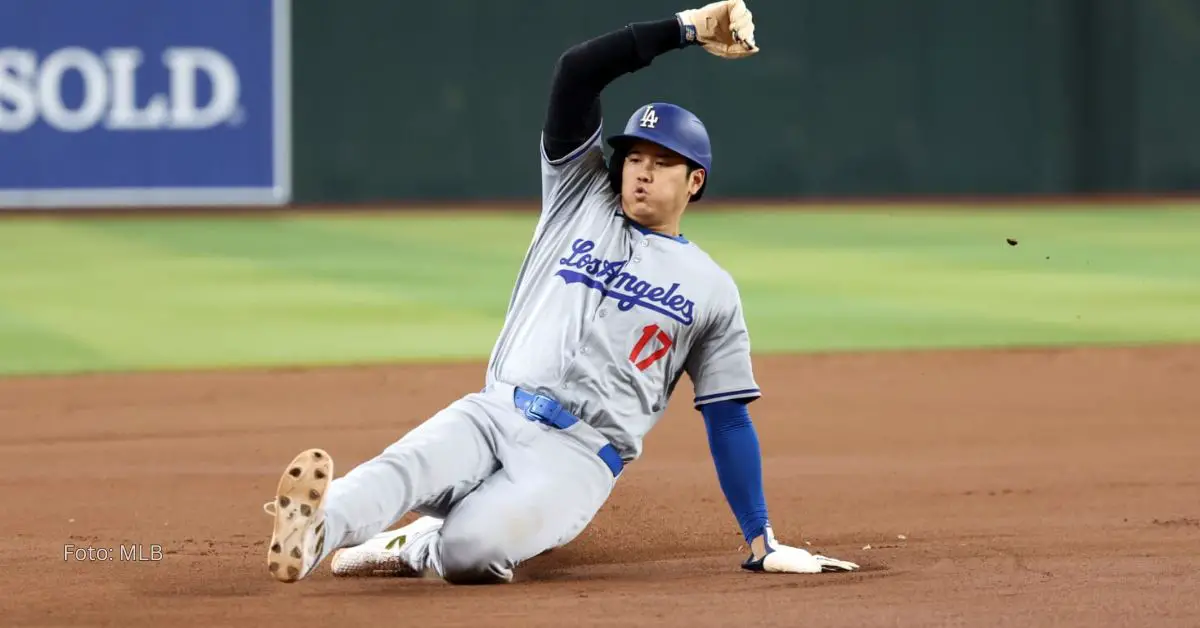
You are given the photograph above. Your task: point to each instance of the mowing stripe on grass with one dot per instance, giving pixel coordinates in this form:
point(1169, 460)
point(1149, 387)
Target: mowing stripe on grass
point(27, 347)
point(427, 270)
point(179, 293)
point(830, 280)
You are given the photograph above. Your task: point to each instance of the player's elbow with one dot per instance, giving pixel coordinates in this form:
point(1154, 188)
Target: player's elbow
point(570, 61)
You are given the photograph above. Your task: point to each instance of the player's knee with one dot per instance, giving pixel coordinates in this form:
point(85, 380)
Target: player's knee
point(472, 559)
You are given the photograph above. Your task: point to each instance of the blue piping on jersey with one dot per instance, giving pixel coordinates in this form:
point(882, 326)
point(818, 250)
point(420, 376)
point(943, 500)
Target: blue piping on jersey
point(733, 394)
point(679, 238)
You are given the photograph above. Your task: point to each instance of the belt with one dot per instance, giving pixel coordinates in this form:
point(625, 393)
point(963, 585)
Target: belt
point(549, 411)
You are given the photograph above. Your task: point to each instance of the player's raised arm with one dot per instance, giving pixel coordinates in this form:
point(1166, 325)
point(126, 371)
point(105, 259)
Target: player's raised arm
point(582, 72)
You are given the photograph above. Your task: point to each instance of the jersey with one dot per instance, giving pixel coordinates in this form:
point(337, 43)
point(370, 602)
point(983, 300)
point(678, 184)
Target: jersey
point(606, 316)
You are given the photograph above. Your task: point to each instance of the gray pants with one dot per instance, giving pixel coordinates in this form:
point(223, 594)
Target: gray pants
point(508, 488)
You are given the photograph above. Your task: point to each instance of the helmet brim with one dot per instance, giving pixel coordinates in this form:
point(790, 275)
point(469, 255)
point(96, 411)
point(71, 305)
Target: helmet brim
point(623, 141)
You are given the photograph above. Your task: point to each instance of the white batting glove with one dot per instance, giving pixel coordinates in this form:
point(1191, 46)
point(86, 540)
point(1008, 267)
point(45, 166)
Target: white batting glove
point(781, 558)
point(725, 29)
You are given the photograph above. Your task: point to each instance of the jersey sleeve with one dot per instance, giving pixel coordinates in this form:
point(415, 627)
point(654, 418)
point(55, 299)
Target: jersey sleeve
point(719, 365)
point(573, 167)
point(569, 180)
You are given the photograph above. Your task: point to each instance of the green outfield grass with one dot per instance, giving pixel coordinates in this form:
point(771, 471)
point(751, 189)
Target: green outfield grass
point(132, 294)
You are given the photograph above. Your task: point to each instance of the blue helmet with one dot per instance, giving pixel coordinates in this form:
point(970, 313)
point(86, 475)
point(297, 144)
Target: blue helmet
point(669, 126)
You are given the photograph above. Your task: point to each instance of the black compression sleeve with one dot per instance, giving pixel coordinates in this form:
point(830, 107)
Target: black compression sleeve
point(584, 70)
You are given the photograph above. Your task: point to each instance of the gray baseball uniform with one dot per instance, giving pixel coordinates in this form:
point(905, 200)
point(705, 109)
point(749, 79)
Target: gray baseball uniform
point(605, 318)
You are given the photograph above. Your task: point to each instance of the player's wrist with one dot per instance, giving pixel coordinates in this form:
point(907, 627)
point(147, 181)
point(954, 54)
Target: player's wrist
point(687, 31)
point(756, 530)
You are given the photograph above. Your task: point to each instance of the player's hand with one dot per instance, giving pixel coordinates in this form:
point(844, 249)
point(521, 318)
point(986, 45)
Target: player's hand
point(775, 557)
point(725, 28)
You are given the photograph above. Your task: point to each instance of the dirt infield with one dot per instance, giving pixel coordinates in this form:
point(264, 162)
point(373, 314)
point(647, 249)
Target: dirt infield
point(1031, 488)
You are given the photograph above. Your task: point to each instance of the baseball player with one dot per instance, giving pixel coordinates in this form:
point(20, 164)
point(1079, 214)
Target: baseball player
point(612, 305)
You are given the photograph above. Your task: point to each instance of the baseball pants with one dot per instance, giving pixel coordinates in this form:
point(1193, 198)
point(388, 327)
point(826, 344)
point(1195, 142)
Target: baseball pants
point(507, 487)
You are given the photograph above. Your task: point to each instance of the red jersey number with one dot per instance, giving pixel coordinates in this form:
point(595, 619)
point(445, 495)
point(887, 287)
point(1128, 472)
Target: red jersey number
point(650, 332)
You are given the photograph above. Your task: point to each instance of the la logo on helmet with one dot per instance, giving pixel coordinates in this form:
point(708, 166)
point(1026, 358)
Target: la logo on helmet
point(649, 118)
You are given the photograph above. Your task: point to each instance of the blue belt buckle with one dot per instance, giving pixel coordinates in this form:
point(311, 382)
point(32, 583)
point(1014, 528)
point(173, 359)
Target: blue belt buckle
point(541, 408)
point(549, 411)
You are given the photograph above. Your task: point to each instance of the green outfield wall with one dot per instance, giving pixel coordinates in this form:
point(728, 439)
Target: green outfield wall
point(861, 97)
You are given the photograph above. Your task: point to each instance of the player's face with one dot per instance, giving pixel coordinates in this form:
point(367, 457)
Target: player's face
point(656, 184)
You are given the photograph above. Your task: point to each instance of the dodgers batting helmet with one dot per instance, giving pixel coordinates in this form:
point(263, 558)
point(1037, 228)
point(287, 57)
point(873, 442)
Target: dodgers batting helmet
point(669, 126)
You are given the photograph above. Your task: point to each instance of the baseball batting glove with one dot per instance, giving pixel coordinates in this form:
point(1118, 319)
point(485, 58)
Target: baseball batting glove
point(725, 29)
point(781, 558)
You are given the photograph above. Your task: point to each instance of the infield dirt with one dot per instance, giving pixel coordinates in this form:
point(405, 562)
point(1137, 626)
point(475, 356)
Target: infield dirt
point(999, 488)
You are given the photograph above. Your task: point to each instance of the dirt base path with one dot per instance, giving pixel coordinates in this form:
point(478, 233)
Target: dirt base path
point(1032, 488)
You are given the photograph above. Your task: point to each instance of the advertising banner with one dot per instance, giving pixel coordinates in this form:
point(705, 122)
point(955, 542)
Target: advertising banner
point(112, 103)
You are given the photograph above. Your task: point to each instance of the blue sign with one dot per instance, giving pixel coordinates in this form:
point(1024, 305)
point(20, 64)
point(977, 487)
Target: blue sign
point(144, 102)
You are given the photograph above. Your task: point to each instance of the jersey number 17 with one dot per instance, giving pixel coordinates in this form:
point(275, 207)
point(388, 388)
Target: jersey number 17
point(650, 332)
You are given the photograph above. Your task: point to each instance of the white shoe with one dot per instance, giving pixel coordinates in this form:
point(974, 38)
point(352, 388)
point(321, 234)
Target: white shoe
point(388, 554)
point(298, 540)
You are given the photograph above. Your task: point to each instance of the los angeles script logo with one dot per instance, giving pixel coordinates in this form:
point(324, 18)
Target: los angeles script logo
point(627, 289)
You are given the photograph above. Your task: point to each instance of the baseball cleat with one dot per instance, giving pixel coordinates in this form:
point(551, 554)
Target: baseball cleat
point(298, 540)
point(387, 554)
